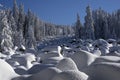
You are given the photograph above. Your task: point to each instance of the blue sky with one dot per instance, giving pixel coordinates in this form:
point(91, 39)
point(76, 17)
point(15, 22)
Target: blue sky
point(63, 11)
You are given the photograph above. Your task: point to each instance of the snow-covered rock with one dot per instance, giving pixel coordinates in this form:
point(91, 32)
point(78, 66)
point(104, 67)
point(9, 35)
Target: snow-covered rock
point(6, 71)
point(107, 59)
point(66, 64)
point(25, 59)
point(45, 56)
point(46, 74)
point(39, 67)
point(31, 50)
point(104, 71)
point(97, 52)
point(21, 70)
point(52, 60)
point(103, 45)
point(71, 75)
point(83, 59)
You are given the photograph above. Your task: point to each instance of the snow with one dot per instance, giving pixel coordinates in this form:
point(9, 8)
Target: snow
point(104, 71)
point(71, 75)
point(67, 64)
point(83, 59)
point(46, 74)
point(6, 71)
point(79, 60)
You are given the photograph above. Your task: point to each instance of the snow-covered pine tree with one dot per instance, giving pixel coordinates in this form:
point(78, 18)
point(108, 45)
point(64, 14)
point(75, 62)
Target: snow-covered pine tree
point(20, 29)
point(89, 27)
point(78, 27)
point(29, 36)
point(15, 11)
point(6, 32)
point(37, 29)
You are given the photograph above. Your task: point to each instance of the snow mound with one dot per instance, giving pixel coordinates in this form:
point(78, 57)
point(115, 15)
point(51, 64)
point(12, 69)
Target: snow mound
point(31, 50)
point(107, 59)
point(45, 56)
point(104, 71)
point(21, 70)
point(39, 67)
point(6, 71)
point(52, 60)
point(97, 52)
point(46, 74)
point(83, 59)
point(66, 64)
point(24, 59)
point(103, 45)
point(71, 75)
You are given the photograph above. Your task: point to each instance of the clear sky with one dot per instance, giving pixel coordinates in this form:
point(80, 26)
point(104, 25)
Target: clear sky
point(63, 11)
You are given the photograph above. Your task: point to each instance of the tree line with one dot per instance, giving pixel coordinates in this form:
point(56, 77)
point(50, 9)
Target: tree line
point(98, 24)
point(18, 27)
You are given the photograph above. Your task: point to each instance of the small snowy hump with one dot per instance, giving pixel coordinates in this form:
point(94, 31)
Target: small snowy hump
point(71, 75)
point(6, 71)
point(46, 74)
point(104, 71)
point(67, 64)
point(83, 58)
point(100, 42)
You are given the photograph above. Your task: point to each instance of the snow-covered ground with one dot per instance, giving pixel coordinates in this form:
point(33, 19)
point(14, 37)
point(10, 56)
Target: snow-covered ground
point(63, 58)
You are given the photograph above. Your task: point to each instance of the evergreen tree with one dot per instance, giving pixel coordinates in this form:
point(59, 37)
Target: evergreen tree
point(78, 27)
point(29, 37)
point(89, 27)
point(15, 12)
point(6, 32)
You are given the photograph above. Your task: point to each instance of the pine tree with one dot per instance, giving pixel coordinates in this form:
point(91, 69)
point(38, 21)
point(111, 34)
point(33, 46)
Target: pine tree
point(78, 27)
point(6, 32)
point(20, 29)
point(15, 12)
point(29, 37)
point(37, 29)
point(89, 27)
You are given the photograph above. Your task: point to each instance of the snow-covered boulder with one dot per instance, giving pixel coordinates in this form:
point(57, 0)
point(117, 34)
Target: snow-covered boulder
point(31, 50)
point(6, 71)
point(97, 52)
point(25, 59)
point(113, 42)
point(115, 48)
point(21, 70)
point(52, 60)
point(12, 62)
point(103, 45)
point(45, 56)
point(104, 71)
point(46, 74)
point(39, 67)
point(21, 48)
point(107, 59)
point(71, 75)
point(83, 58)
point(66, 64)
